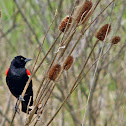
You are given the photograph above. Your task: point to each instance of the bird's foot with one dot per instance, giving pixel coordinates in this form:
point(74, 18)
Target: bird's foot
point(20, 98)
point(17, 109)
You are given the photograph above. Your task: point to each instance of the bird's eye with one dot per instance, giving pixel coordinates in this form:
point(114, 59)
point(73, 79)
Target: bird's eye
point(22, 59)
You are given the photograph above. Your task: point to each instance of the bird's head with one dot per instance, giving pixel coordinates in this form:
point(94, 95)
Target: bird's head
point(19, 61)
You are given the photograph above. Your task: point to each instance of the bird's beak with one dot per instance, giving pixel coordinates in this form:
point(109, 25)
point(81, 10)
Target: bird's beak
point(26, 60)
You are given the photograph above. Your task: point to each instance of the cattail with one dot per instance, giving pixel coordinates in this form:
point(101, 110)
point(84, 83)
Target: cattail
point(104, 30)
point(115, 40)
point(77, 2)
point(54, 72)
point(68, 63)
point(86, 8)
point(64, 23)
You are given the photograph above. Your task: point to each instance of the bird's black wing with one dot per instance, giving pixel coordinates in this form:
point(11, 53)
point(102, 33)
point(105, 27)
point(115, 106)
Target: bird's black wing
point(28, 94)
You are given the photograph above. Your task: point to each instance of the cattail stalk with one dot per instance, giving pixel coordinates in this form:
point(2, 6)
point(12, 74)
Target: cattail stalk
point(104, 32)
point(74, 83)
point(27, 84)
point(42, 91)
point(91, 67)
point(31, 115)
point(68, 42)
point(39, 90)
point(54, 72)
point(54, 84)
point(45, 93)
point(83, 31)
point(96, 18)
point(42, 62)
point(44, 40)
point(68, 64)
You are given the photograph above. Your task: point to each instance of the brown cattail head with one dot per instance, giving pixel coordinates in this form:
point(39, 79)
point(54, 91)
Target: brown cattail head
point(54, 72)
point(86, 8)
point(103, 31)
point(115, 39)
point(64, 23)
point(68, 63)
point(77, 2)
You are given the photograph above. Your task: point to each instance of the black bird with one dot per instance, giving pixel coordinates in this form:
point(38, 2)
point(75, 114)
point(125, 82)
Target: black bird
point(16, 79)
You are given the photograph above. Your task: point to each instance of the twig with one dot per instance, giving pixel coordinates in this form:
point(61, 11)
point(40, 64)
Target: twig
point(78, 76)
point(48, 68)
point(44, 40)
point(73, 85)
point(27, 84)
point(5, 117)
point(7, 109)
point(25, 19)
point(92, 85)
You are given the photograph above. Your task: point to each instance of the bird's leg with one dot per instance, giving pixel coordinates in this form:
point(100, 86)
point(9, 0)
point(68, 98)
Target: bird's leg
point(20, 98)
point(16, 107)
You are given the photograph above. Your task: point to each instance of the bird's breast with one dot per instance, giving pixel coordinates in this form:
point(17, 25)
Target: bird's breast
point(16, 81)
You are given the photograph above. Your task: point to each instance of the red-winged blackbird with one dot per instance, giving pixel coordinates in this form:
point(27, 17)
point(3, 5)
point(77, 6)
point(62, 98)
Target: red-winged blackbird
point(16, 79)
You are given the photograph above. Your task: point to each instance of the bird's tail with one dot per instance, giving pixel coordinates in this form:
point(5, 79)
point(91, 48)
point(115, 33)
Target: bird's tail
point(25, 104)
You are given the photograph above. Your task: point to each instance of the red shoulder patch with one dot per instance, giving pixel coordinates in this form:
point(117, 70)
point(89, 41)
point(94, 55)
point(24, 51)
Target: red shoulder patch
point(6, 72)
point(28, 72)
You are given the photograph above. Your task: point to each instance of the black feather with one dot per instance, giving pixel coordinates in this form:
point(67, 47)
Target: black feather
point(16, 80)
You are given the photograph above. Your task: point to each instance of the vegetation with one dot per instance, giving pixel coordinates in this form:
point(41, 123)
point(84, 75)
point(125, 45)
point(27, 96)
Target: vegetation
point(78, 67)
